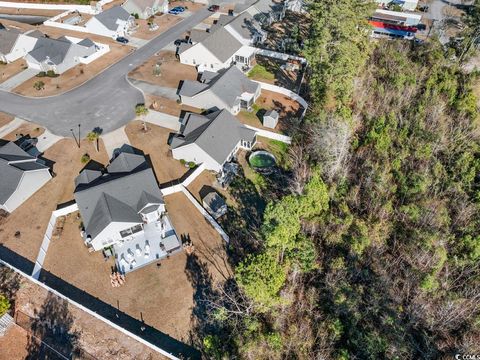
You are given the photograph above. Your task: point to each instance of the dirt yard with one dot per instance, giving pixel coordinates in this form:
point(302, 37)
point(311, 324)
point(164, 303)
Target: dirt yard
point(94, 336)
point(203, 184)
point(154, 144)
point(11, 69)
point(27, 128)
point(164, 22)
point(270, 71)
point(167, 290)
point(168, 106)
point(5, 119)
point(66, 157)
point(73, 77)
point(287, 108)
point(34, 12)
point(171, 71)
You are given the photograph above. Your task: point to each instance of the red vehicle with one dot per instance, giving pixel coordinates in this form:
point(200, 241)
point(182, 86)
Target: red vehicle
point(214, 8)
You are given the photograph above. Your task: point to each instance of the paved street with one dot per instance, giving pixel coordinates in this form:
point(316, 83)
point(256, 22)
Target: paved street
point(106, 101)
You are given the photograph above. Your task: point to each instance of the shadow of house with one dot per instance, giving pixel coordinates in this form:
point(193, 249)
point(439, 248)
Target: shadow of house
point(103, 309)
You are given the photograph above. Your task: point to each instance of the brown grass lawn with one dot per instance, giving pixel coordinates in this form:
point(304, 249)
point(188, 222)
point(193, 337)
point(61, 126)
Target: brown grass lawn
point(154, 144)
point(269, 100)
point(172, 72)
point(11, 69)
point(94, 336)
point(5, 119)
point(74, 76)
point(38, 208)
point(28, 128)
point(164, 22)
point(168, 106)
point(163, 295)
point(37, 12)
point(205, 181)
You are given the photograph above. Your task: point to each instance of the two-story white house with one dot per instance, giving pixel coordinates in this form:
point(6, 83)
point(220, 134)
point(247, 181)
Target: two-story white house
point(113, 22)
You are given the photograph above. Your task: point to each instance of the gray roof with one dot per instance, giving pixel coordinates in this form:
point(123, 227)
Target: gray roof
point(214, 201)
point(86, 42)
point(222, 44)
point(228, 86)
point(13, 163)
point(117, 196)
point(271, 113)
point(54, 49)
point(198, 35)
point(35, 34)
point(183, 47)
point(109, 17)
point(126, 162)
point(217, 133)
point(8, 38)
point(244, 24)
point(243, 5)
point(208, 76)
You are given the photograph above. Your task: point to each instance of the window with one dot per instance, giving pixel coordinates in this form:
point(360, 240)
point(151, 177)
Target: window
point(131, 231)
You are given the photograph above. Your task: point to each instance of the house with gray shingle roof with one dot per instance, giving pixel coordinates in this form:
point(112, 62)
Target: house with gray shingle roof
point(146, 8)
point(243, 27)
point(122, 206)
point(229, 89)
point(212, 139)
point(264, 11)
point(58, 55)
point(113, 22)
point(15, 44)
point(21, 175)
point(219, 50)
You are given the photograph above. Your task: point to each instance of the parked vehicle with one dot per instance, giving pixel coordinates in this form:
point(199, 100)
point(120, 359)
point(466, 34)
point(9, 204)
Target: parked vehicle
point(177, 10)
point(214, 8)
point(122, 40)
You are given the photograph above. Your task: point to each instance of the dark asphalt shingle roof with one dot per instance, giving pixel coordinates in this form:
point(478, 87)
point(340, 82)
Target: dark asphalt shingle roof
point(8, 38)
point(222, 44)
point(11, 170)
point(86, 42)
point(117, 196)
point(54, 49)
point(217, 134)
point(228, 86)
point(109, 17)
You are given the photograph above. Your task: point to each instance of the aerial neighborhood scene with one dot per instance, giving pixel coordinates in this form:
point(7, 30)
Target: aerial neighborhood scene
point(239, 179)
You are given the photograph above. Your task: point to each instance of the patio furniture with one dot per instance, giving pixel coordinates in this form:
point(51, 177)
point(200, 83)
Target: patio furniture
point(147, 250)
point(130, 255)
point(123, 263)
point(138, 250)
point(133, 263)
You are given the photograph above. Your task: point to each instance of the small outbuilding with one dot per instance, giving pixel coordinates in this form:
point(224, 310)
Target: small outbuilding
point(214, 204)
point(270, 119)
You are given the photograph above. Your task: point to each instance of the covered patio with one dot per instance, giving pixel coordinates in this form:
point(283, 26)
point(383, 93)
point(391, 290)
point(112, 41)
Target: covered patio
point(157, 241)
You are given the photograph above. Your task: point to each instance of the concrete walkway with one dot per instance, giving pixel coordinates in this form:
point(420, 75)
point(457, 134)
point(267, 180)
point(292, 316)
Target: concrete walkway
point(136, 42)
point(115, 140)
point(162, 91)
point(46, 140)
point(18, 79)
point(11, 126)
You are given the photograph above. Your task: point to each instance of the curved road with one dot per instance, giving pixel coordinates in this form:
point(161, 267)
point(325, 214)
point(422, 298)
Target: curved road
point(107, 101)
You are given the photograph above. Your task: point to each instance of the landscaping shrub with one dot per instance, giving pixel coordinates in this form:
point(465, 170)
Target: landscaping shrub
point(39, 85)
point(4, 304)
point(191, 164)
point(42, 74)
point(85, 158)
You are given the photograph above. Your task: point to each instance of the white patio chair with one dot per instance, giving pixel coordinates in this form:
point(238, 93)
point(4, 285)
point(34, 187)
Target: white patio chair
point(123, 263)
point(130, 255)
point(147, 250)
point(138, 250)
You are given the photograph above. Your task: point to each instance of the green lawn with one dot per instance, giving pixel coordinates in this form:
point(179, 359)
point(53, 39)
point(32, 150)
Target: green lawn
point(260, 72)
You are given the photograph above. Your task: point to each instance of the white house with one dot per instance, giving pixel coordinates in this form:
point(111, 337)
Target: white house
point(145, 8)
point(217, 51)
point(58, 55)
point(396, 17)
point(229, 89)
point(15, 45)
point(21, 175)
point(113, 22)
point(410, 5)
point(265, 12)
point(123, 207)
point(243, 27)
point(211, 140)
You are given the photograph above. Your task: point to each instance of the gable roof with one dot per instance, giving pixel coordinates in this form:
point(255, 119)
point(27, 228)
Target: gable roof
point(117, 195)
point(14, 162)
point(143, 4)
point(228, 86)
point(109, 17)
point(244, 24)
point(222, 44)
point(86, 43)
point(8, 38)
point(217, 134)
point(54, 50)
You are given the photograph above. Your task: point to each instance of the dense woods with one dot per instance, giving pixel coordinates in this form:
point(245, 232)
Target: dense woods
point(375, 252)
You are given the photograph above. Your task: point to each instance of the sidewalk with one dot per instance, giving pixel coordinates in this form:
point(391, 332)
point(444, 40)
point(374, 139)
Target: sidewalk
point(18, 79)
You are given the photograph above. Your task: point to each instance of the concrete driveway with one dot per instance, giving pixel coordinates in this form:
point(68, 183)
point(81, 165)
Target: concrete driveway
point(106, 101)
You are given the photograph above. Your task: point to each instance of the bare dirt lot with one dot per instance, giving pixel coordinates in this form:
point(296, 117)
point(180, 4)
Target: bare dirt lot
point(164, 22)
point(11, 69)
point(171, 71)
point(37, 12)
point(37, 307)
point(5, 119)
point(168, 106)
point(154, 144)
point(66, 157)
point(287, 108)
point(167, 290)
point(26, 129)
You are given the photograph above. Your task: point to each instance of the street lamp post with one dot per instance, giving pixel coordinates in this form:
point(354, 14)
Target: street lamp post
point(79, 136)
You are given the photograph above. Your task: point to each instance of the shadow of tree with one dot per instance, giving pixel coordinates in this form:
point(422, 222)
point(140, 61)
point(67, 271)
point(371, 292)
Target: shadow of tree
point(9, 284)
point(53, 325)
